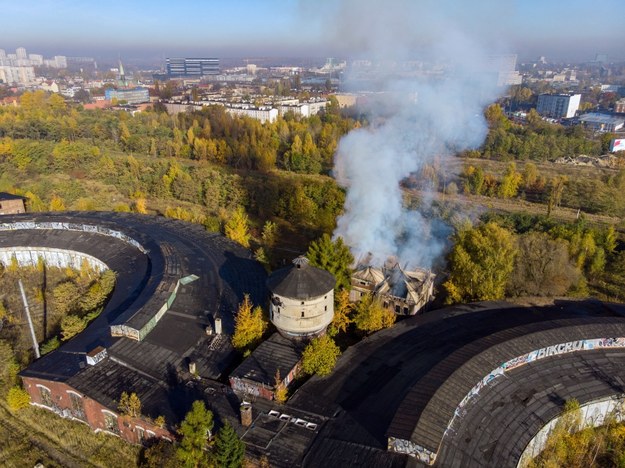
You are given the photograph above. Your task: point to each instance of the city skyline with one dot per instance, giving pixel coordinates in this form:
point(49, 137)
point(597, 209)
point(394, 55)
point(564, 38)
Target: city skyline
point(298, 28)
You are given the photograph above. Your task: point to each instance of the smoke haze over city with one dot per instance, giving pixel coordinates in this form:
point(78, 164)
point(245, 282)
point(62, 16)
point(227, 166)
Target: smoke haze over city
point(276, 28)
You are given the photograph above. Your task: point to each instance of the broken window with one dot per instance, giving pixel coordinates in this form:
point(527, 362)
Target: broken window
point(110, 421)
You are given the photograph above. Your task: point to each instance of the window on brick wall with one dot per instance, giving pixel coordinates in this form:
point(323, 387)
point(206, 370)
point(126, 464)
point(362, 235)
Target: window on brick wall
point(110, 421)
point(77, 404)
point(46, 395)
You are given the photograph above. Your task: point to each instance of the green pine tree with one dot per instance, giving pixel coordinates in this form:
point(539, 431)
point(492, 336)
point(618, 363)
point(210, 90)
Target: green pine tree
point(229, 449)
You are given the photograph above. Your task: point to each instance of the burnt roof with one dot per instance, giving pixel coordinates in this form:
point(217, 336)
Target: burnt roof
point(301, 281)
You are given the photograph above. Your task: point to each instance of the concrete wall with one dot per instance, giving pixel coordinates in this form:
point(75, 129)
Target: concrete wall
point(12, 207)
point(29, 256)
point(297, 317)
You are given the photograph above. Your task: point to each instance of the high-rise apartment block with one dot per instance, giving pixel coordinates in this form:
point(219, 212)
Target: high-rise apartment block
point(558, 106)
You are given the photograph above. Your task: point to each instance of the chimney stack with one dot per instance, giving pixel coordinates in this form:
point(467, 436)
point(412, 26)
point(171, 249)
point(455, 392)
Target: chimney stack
point(218, 326)
point(246, 414)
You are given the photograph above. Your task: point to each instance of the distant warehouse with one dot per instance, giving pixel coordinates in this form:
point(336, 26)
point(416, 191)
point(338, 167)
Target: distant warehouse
point(602, 122)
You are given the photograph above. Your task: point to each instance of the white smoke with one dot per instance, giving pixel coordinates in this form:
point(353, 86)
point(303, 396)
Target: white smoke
point(429, 112)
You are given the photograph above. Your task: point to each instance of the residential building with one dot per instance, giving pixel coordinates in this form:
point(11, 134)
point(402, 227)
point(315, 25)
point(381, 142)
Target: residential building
point(558, 106)
point(304, 109)
point(619, 106)
point(17, 75)
point(505, 68)
point(263, 113)
point(36, 60)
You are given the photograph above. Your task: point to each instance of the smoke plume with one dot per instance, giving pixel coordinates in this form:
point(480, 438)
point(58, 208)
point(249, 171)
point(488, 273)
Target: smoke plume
point(428, 60)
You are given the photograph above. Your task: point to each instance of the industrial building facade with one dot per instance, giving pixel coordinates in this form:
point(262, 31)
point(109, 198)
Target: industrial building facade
point(192, 67)
point(130, 95)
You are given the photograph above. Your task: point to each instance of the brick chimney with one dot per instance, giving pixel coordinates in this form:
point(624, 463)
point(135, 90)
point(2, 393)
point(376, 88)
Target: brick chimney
point(246, 414)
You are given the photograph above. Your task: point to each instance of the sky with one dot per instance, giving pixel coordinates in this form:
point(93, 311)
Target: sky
point(571, 30)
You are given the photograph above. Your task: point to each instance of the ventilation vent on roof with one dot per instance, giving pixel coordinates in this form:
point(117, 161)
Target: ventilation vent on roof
point(300, 261)
point(96, 355)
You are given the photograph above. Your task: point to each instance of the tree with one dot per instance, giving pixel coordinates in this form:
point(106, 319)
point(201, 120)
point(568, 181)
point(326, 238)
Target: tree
point(50, 345)
point(530, 175)
point(270, 234)
point(159, 455)
point(371, 316)
point(480, 263)
point(18, 398)
point(542, 267)
point(249, 325)
point(72, 325)
point(65, 296)
point(510, 183)
point(139, 206)
point(333, 256)
point(237, 228)
point(556, 189)
point(342, 310)
point(194, 432)
point(57, 203)
point(279, 389)
point(130, 405)
point(229, 449)
point(320, 355)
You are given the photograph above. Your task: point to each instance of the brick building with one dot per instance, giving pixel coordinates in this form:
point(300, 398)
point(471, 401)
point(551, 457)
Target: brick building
point(256, 376)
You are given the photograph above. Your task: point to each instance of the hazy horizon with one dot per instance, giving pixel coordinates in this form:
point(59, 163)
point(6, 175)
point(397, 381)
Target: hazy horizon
point(151, 31)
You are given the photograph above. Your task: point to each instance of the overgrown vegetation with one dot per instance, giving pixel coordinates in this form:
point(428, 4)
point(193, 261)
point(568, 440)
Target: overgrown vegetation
point(203, 167)
point(62, 302)
point(522, 255)
point(572, 446)
point(38, 435)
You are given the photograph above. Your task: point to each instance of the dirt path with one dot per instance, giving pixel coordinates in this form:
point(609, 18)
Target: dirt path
point(478, 202)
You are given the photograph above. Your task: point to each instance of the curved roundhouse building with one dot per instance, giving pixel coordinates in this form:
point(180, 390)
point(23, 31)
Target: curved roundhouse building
point(466, 386)
point(302, 299)
point(169, 317)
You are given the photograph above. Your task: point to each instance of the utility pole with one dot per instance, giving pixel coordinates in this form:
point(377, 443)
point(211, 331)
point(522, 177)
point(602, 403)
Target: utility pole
point(30, 322)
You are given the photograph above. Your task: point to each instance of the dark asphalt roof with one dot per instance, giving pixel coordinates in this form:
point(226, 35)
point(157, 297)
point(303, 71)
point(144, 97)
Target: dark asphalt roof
point(173, 249)
point(4, 196)
point(494, 430)
point(300, 281)
point(272, 354)
point(407, 381)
